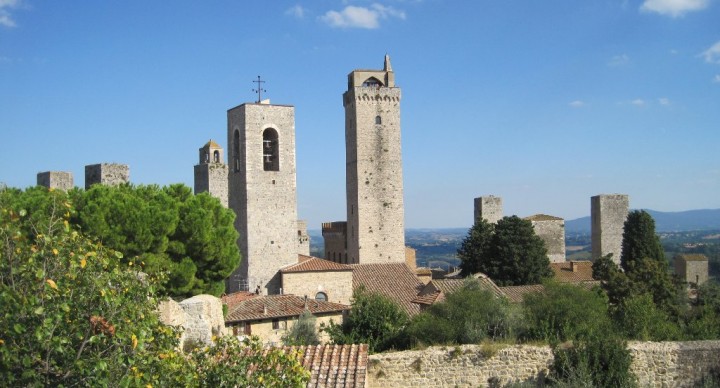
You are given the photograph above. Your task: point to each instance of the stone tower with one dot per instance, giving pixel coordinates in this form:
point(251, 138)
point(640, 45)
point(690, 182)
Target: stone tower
point(374, 179)
point(608, 214)
point(552, 231)
point(61, 180)
point(262, 193)
point(111, 174)
point(489, 208)
point(211, 173)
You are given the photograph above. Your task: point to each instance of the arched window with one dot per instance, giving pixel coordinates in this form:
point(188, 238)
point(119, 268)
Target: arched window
point(321, 296)
point(378, 120)
point(216, 156)
point(236, 151)
point(271, 157)
point(372, 82)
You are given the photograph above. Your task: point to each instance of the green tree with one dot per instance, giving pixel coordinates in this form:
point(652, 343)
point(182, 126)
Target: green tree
point(514, 255)
point(475, 248)
point(640, 240)
point(565, 312)
point(467, 316)
point(303, 332)
point(374, 320)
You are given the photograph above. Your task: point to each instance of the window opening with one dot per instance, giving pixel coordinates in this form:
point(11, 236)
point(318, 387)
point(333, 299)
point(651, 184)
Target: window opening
point(321, 296)
point(236, 150)
point(271, 159)
point(378, 120)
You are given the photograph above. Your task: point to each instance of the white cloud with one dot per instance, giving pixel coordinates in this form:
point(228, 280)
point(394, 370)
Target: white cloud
point(712, 55)
point(577, 104)
point(619, 60)
point(361, 17)
point(297, 11)
point(664, 101)
point(5, 16)
point(717, 78)
point(673, 8)
point(638, 102)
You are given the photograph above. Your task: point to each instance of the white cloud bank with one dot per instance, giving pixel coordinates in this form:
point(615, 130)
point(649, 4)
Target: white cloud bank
point(297, 11)
point(619, 60)
point(577, 104)
point(361, 17)
point(674, 8)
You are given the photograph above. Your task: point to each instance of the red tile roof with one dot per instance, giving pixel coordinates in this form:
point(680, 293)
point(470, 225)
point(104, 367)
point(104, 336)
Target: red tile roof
point(564, 271)
point(277, 306)
point(394, 280)
point(542, 217)
point(515, 294)
point(314, 264)
point(333, 365)
point(438, 289)
point(231, 300)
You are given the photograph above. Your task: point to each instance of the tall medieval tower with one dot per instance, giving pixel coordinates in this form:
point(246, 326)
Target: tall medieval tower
point(374, 179)
point(608, 213)
point(262, 193)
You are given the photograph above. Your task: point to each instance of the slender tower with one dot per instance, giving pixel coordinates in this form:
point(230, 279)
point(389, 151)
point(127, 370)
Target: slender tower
point(608, 213)
point(262, 192)
point(374, 179)
point(211, 173)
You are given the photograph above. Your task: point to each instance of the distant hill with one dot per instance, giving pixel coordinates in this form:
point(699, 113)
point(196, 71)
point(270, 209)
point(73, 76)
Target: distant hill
point(705, 219)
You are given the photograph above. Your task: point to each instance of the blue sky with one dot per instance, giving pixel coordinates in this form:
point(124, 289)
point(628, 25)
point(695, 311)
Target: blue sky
point(544, 103)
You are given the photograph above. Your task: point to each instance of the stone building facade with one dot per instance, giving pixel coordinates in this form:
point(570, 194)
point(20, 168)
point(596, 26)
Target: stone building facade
point(211, 172)
point(374, 178)
point(692, 268)
point(303, 238)
point(608, 213)
point(110, 174)
point(552, 231)
point(262, 192)
point(319, 279)
point(489, 208)
point(60, 180)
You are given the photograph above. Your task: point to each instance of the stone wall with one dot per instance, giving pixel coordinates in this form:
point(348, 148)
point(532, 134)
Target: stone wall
point(335, 238)
point(336, 284)
point(273, 336)
point(656, 364)
point(552, 231)
point(213, 179)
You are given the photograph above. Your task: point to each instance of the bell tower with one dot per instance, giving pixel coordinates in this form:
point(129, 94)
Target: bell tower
point(374, 179)
point(262, 192)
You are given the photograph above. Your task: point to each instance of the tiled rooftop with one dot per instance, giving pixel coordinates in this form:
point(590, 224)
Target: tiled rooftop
point(231, 300)
point(333, 365)
point(564, 271)
point(543, 217)
point(694, 257)
point(277, 306)
point(515, 294)
point(438, 289)
point(394, 280)
point(314, 264)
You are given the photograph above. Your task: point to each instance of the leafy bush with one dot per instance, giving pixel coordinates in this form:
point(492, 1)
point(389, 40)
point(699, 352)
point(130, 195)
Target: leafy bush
point(598, 360)
point(303, 332)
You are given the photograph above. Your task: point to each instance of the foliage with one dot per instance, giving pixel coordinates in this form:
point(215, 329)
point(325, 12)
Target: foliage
point(514, 255)
point(374, 320)
point(73, 314)
point(303, 331)
point(638, 318)
point(191, 237)
point(70, 315)
point(599, 360)
point(475, 247)
point(640, 240)
point(231, 363)
point(564, 312)
point(467, 316)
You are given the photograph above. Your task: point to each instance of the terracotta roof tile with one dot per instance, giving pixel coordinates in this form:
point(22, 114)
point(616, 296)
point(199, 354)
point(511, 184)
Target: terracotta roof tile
point(333, 365)
point(231, 300)
point(314, 264)
point(516, 293)
point(438, 289)
point(564, 271)
point(277, 306)
point(394, 280)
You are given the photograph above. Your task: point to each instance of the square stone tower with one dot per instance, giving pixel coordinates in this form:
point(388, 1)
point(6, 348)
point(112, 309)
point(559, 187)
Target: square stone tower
point(211, 174)
point(262, 192)
point(335, 238)
point(552, 231)
point(608, 214)
point(111, 174)
point(489, 208)
point(692, 268)
point(374, 178)
point(60, 180)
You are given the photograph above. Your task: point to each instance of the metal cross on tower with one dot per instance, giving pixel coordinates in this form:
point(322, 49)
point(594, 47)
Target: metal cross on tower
point(259, 89)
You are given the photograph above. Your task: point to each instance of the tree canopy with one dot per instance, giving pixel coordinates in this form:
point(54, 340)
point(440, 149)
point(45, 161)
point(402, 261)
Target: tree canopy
point(510, 253)
point(640, 240)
